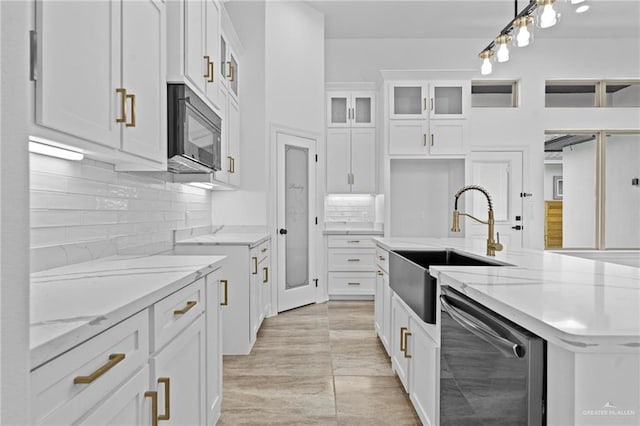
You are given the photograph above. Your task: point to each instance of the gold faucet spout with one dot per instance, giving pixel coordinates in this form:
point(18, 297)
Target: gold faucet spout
point(455, 226)
point(492, 244)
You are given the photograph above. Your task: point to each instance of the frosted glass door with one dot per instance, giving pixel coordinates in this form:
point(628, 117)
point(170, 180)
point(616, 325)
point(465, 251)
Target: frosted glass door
point(408, 101)
point(296, 219)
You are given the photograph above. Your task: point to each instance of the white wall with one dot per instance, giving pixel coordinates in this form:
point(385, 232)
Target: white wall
point(86, 210)
point(15, 18)
point(579, 199)
point(622, 199)
point(550, 170)
point(350, 60)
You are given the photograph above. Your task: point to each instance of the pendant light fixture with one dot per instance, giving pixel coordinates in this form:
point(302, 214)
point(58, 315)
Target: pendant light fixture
point(487, 67)
point(546, 14)
point(523, 29)
point(502, 41)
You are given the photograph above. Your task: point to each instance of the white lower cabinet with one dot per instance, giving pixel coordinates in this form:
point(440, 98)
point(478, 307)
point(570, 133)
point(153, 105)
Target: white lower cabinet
point(161, 364)
point(415, 358)
point(351, 265)
point(382, 306)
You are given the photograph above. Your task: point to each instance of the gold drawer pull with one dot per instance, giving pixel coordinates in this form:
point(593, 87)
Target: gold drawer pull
point(208, 61)
point(229, 70)
point(354, 241)
point(353, 283)
point(113, 360)
point(380, 273)
point(255, 265)
point(353, 260)
point(424, 139)
point(123, 105)
point(406, 348)
point(133, 110)
point(167, 398)
point(265, 274)
point(154, 406)
point(402, 341)
point(225, 301)
point(381, 258)
point(211, 73)
point(263, 250)
point(432, 139)
point(187, 308)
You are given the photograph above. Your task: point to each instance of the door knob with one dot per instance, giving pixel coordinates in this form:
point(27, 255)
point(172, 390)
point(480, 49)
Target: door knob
point(517, 227)
point(283, 231)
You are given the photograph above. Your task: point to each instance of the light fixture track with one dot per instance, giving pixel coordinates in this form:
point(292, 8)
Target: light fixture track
point(528, 9)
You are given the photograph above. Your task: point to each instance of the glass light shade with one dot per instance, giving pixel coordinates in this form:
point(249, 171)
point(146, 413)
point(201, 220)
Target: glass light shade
point(523, 31)
point(502, 55)
point(582, 8)
point(487, 66)
point(546, 14)
point(576, 1)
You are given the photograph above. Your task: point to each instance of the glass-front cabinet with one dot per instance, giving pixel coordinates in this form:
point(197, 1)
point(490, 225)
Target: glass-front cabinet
point(350, 109)
point(408, 100)
point(448, 99)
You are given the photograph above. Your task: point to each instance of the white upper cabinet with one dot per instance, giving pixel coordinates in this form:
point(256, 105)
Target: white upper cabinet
point(448, 99)
point(408, 137)
point(101, 78)
point(351, 109)
point(193, 30)
point(229, 65)
point(408, 100)
point(351, 161)
point(446, 137)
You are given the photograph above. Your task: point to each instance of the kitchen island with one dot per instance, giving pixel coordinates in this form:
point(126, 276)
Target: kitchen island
point(587, 311)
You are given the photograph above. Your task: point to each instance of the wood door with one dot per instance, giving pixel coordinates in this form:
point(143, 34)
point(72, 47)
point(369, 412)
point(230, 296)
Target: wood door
point(338, 167)
point(79, 69)
point(183, 361)
point(552, 224)
point(500, 173)
point(363, 161)
point(144, 76)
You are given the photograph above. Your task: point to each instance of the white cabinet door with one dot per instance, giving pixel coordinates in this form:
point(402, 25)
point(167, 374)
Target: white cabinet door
point(212, 50)
point(183, 362)
point(449, 99)
point(363, 161)
point(255, 294)
point(338, 109)
point(378, 304)
point(143, 76)
point(338, 167)
point(408, 137)
point(196, 65)
point(233, 117)
point(387, 296)
point(408, 100)
point(447, 137)
point(400, 355)
point(425, 376)
point(213, 290)
point(79, 69)
point(126, 406)
point(265, 267)
point(363, 109)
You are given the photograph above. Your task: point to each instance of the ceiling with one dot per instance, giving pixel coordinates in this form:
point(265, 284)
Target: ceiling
point(469, 19)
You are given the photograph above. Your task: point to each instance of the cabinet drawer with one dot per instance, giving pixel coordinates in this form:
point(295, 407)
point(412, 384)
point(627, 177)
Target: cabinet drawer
point(382, 259)
point(352, 283)
point(350, 241)
point(175, 312)
point(99, 365)
point(263, 250)
point(351, 260)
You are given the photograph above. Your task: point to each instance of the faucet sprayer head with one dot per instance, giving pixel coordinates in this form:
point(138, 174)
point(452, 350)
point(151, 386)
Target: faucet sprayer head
point(455, 227)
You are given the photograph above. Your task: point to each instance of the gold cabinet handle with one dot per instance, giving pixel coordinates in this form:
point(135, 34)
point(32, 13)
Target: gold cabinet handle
point(402, 341)
point(133, 110)
point(225, 301)
point(230, 158)
point(187, 308)
point(167, 398)
point(233, 164)
point(380, 273)
point(154, 406)
point(432, 103)
point(212, 73)
point(233, 73)
point(264, 250)
point(123, 105)
point(265, 274)
point(229, 70)
point(406, 348)
point(432, 139)
point(255, 265)
point(353, 283)
point(424, 139)
point(424, 104)
point(207, 59)
point(114, 359)
point(381, 257)
point(354, 241)
point(353, 260)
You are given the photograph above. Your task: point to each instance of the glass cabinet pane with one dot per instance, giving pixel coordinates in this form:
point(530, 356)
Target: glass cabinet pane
point(223, 57)
point(233, 73)
point(487, 94)
point(570, 94)
point(622, 192)
point(338, 110)
point(363, 110)
point(622, 93)
point(447, 100)
point(297, 216)
point(407, 100)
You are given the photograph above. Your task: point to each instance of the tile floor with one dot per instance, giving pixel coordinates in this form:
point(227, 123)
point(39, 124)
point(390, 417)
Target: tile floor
point(316, 365)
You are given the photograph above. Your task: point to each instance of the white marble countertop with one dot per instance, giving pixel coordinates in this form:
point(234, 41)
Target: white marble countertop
point(251, 239)
point(579, 304)
point(73, 303)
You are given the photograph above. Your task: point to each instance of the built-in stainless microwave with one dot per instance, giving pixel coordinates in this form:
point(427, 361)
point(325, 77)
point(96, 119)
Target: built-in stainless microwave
point(194, 132)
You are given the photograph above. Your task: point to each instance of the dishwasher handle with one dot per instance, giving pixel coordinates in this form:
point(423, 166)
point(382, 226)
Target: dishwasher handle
point(483, 330)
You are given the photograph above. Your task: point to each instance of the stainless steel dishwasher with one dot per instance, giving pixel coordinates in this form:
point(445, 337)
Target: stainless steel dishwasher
point(492, 371)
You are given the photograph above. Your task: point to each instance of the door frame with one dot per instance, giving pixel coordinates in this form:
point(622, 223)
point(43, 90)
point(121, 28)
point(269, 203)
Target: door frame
point(529, 203)
point(272, 205)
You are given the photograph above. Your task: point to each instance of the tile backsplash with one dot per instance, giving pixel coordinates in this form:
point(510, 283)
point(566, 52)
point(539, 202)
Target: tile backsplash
point(86, 210)
point(349, 208)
